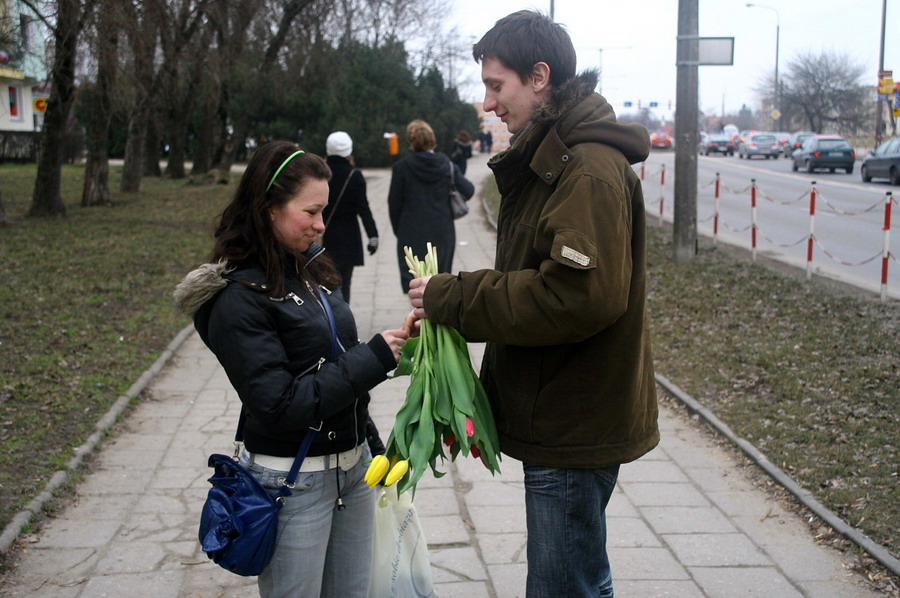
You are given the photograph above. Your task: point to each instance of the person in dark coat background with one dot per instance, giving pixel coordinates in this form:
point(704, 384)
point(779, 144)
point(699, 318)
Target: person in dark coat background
point(342, 237)
point(462, 150)
point(419, 200)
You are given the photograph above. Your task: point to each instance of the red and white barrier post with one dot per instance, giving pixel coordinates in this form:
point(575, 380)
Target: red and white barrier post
point(753, 219)
point(716, 213)
point(812, 230)
point(886, 243)
point(662, 196)
point(642, 170)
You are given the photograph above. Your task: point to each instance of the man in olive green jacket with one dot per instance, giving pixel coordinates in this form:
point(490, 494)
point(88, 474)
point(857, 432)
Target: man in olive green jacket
point(567, 364)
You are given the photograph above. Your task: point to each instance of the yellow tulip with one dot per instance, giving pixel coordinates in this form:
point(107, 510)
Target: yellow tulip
point(397, 471)
point(377, 468)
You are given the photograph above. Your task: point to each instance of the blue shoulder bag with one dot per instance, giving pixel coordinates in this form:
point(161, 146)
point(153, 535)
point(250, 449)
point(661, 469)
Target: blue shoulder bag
point(239, 520)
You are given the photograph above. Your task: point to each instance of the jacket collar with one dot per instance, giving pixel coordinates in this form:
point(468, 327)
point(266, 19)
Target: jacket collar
point(542, 132)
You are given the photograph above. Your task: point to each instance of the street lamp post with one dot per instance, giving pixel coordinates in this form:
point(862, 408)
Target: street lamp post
point(777, 43)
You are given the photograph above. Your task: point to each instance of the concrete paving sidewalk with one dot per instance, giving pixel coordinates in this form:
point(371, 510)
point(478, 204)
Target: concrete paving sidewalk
point(685, 521)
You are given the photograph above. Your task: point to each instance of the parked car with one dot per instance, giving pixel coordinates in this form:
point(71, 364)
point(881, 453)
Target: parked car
point(796, 141)
point(824, 151)
point(660, 140)
point(883, 163)
point(718, 144)
point(759, 144)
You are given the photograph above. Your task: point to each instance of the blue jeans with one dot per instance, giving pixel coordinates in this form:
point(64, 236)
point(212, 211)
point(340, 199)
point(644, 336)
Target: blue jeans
point(566, 516)
point(321, 551)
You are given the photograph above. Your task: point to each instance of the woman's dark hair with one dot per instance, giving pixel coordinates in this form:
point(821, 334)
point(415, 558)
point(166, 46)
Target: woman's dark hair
point(525, 38)
point(245, 228)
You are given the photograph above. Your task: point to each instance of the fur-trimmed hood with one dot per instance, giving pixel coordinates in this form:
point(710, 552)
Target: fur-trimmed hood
point(199, 286)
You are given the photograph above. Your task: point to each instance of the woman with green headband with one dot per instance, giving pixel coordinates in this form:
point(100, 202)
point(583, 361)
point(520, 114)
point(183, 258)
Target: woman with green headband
point(262, 306)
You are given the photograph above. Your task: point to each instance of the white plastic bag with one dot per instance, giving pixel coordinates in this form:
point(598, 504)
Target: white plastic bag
point(400, 564)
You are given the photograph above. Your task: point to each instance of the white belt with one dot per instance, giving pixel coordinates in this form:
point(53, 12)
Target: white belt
point(345, 460)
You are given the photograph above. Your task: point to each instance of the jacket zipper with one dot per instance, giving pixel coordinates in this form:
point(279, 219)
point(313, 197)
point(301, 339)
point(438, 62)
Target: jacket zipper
point(340, 345)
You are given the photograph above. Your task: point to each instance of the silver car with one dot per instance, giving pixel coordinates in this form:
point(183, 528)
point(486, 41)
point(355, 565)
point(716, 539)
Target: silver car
point(760, 144)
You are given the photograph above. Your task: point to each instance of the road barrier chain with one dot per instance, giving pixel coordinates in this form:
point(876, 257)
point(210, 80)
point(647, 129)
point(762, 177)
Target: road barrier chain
point(810, 237)
point(841, 212)
point(840, 261)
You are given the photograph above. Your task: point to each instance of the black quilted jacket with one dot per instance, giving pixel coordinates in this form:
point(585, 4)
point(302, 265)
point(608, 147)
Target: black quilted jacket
point(277, 353)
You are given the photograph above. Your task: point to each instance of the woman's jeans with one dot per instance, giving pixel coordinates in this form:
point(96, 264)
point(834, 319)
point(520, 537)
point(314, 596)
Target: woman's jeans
point(566, 516)
point(321, 551)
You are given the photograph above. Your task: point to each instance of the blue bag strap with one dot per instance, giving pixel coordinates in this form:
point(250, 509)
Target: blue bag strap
point(331, 323)
point(310, 433)
point(301, 452)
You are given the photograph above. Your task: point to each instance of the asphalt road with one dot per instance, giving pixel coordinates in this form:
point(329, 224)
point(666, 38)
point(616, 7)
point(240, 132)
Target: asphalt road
point(848, 225)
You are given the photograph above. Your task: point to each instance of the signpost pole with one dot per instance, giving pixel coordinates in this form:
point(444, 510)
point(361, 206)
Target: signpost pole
point(686, 114)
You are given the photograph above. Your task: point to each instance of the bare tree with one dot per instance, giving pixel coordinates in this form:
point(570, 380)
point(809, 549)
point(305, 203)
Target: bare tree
point(185, 47)
point(243, 122)
point(142, 21)
point(96, 168)
point(66, 25)
point(230, 25)
point(826, 90)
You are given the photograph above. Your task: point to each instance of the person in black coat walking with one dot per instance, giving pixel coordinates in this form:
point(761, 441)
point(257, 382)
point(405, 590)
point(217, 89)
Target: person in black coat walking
point(462, 150)
point(347, 204)
point(419, 200)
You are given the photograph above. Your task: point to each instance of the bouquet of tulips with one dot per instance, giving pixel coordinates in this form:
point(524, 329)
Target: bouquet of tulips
point(445, 403)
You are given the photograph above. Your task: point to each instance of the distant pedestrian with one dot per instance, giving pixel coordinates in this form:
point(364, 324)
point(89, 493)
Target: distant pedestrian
point(419, 200)
point(347, 205)
point(264, 306)
point(487, 142)
point(462, 150)
point(567, 365)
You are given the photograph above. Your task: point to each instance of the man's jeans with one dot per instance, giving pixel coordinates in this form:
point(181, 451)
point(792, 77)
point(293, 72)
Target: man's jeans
point(566, 515)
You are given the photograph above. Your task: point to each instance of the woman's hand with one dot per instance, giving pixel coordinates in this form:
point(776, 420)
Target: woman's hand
point(395, 340)
point(412, 324)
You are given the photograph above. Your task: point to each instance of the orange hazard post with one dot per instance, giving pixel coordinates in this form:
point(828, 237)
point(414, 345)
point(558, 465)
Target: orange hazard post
point(393, 143)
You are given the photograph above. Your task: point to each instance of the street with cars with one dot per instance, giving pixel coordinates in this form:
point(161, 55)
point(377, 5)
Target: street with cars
point(807, 151)
point(848, 219)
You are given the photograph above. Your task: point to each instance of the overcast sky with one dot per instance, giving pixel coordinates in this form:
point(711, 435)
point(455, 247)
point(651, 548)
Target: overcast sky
point(637, 38)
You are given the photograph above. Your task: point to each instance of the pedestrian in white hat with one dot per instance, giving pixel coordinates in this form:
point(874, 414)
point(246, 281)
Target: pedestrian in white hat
point(347, 203)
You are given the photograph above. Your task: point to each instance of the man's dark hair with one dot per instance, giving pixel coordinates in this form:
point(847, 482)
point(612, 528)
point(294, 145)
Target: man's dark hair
point(523, 39)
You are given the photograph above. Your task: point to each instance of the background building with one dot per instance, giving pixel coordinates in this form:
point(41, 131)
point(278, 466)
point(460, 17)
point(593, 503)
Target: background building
point(23, 75)
point(499, 134)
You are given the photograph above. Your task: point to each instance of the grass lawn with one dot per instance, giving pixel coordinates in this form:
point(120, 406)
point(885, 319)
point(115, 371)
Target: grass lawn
point(807, 373)
point(86, 308)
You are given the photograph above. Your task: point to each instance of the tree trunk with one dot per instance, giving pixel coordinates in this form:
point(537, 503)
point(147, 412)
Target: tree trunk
point(47, 197)
point(207, 136)
point(152, 149)
point(96, 168)
point(133, 169)
point(142, 32)
point(178, 130)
